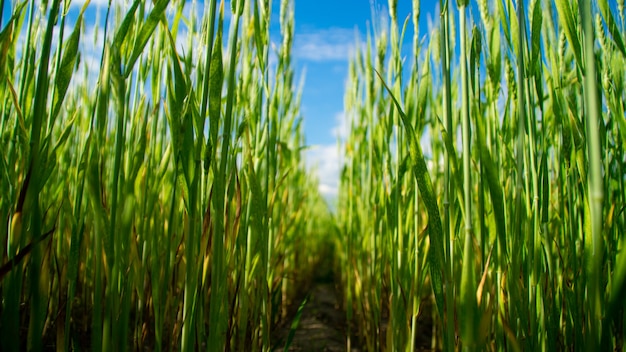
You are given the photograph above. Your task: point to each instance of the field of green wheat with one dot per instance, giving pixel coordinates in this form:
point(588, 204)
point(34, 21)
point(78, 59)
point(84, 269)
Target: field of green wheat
point(157, 198)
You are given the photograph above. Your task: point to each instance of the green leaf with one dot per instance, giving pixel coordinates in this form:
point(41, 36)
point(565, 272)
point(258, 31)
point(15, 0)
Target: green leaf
point(495, 189)
point(124, 28)
point(545, 187)
point(475, 51)
point(296, 322)
point(21, 124)
point(568, 23)
point(514, 27)
point(258, 35)
point(65, 134)
point(7, 38)
point(535, 34)
point(618, 287)
point(145, 32)
point(494, 67)
point(216, 80)
point(503, 16)
point(435, 233)
point(181, 118)
point(612, 25)
point(66, 70)
point(454, 167)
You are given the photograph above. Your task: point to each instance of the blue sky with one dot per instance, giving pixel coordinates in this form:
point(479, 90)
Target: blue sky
point(325, 40)
point(330, 26)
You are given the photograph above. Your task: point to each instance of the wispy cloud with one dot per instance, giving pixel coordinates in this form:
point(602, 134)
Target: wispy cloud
point(342, 127)
point(92, 42)
point(330, 44)
point(325, 162)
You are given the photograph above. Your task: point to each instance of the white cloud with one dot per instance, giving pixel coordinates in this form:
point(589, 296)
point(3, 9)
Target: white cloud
point(325, 162)
point(342, 128)
point(92, 42)
point(331, 44)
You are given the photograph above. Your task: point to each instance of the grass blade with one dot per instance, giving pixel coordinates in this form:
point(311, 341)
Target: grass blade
point(435, 233)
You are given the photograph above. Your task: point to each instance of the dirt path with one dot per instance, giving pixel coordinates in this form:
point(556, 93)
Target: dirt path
point(322, 325)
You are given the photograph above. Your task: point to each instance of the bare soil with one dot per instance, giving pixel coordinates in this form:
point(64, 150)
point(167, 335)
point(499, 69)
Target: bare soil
point(322, 325)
